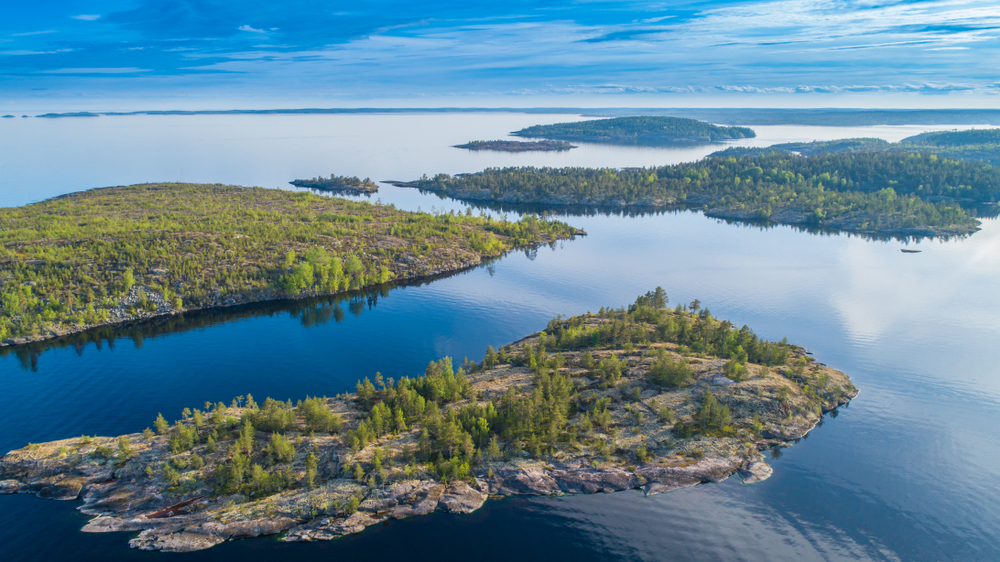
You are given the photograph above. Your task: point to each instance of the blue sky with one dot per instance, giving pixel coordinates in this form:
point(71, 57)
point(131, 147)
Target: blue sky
point(345, 53)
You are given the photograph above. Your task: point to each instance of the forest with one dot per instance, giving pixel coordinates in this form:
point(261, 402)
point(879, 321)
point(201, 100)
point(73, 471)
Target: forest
point(976, 145)
point(518, 146)
point(345, 184)
point(639, 130)
point(111, 254)
point(860, 191)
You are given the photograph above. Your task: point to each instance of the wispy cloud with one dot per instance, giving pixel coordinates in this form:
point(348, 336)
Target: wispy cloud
point(642, 46)
point(131, 70)
point(24, 52)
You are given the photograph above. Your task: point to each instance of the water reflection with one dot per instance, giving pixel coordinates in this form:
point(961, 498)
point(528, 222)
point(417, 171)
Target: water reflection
point(567, 211)
point(311, 312)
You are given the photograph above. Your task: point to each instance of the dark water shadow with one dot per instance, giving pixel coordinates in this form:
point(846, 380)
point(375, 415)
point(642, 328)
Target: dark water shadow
point(311, 311)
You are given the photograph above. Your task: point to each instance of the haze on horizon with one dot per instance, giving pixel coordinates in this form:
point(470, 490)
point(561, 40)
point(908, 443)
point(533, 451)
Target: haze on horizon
point(133, 54)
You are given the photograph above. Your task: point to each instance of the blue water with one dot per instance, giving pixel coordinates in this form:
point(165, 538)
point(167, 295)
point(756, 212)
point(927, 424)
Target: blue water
point(907, 472)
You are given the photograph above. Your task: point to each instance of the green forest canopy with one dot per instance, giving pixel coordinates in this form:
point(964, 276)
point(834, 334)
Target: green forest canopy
point(638, 129)
point(888, 188)
point(977, 145)
point(70, 261)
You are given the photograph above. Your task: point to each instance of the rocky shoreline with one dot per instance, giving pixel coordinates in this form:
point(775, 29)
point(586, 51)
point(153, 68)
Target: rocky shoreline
point(170, 486)
point(121, 314)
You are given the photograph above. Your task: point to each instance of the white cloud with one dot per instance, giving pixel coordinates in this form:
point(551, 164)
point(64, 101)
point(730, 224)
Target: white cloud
point(22, 52)
point(87, 17)
point(121, 70)
point(27, 33)
point(250, 29)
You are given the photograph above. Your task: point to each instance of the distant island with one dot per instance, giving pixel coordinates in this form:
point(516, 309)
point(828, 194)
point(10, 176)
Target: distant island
point(977, 145)
point(875, 193)
point(727, 115)
point(119, 254)
point(76, 114)
point(647, 397)
point(517, 146)
point(340, 184)
point(638, 130)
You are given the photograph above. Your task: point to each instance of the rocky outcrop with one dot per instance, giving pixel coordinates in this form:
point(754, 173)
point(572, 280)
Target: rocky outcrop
point(635, 435)
point(756, 471)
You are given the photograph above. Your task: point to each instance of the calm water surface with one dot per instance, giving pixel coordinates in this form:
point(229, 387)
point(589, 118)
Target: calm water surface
point(907, 472)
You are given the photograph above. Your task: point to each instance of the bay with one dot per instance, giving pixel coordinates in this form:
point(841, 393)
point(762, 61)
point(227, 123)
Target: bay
point(905, 473)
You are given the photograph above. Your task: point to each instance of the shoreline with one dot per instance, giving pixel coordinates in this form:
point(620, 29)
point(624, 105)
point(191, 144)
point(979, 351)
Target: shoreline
point(142, 317)
point(783, 216)
point(625, 432)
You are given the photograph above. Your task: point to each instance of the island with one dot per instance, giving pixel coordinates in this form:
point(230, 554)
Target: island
point(517, 146)
point(872, 193)
point(976, 145)
point(641, 130)
point(340, 184)
point(644, 397)
point(120, 254)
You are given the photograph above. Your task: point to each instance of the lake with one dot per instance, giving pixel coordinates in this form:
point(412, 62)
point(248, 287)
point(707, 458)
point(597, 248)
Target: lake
point(906, 472)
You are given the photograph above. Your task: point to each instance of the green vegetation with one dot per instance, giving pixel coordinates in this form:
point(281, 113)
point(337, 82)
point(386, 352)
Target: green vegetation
point(517, 146)
point(114, 254)
point(455, 439)
point(976, 145)
point(624, 398)
point(341, 184)
point(869, 192)
point(638, 130)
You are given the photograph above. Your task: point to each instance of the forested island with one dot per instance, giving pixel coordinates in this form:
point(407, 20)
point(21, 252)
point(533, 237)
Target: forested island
point(340, 184)
point(646, 397)
point(117, 254)
point(642, 130)
point(517, 146)
point(977, 145)
point(876, 193)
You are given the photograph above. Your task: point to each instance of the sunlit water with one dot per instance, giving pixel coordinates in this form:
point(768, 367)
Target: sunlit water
point(907, 472)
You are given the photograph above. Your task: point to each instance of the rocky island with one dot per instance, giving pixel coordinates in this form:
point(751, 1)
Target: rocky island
point(517, 146)
point(885, 194)
point(638, 130)
point(647, 397)
point(340, 184)
point(119, 254)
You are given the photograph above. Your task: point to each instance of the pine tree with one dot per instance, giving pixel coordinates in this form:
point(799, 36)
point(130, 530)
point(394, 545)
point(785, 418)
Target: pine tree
point(161, 425)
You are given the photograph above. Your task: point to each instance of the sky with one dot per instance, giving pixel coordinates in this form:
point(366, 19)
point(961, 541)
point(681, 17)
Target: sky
point(217, 54)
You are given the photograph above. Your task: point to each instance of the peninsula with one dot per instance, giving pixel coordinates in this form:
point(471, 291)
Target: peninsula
point(118, 254)
point(517, 146)
point(647, 397)
point(975, 145)
point(643, 130)
point(340, 184)
point(873, 193)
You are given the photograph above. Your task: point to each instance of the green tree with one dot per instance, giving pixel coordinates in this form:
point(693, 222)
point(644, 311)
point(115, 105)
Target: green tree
point(161, 425)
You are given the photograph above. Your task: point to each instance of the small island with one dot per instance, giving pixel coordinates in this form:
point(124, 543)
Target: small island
point(896, 194)
point(645, 397)
point(119, 254)
point(340, 184)
point(640, 130)
point(518, 146)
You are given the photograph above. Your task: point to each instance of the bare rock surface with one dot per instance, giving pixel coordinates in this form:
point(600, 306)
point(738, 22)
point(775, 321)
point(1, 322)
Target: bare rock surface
point(627, 434)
